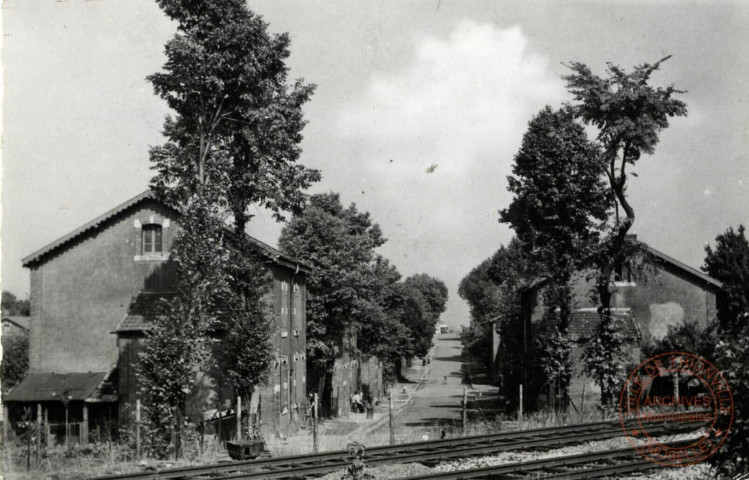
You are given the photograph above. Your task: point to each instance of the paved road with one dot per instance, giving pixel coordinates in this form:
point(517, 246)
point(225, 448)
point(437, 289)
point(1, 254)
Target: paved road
point(437, 404)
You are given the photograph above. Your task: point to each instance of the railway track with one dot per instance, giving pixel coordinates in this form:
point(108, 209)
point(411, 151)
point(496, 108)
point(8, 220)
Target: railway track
point(301, 466)
point(582, 466)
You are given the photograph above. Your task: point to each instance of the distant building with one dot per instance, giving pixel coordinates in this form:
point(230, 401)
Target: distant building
point(643, 308)
point(15, 326)
point(92, 293)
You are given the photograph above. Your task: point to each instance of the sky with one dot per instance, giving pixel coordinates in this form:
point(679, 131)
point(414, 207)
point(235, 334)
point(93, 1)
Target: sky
point(419, 109)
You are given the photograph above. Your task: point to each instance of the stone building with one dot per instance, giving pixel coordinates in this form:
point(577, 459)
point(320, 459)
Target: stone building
point(92, 292)
point(643, 307)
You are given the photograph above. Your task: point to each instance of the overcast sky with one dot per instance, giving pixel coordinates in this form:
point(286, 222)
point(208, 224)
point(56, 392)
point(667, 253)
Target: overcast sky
point(402, 86)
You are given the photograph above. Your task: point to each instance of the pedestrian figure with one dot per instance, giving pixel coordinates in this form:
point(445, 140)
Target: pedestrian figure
point(445, 377)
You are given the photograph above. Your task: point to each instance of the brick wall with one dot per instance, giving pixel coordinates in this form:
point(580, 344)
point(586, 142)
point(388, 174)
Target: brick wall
point(81, 293)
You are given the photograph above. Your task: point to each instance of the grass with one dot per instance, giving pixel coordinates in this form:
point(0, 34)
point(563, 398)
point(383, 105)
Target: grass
point(95, 459)
point(102, 459)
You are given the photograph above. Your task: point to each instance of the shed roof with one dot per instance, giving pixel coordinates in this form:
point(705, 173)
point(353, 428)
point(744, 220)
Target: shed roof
point(583, 323)
point(146, 307)
point(21, 320)
point(46, 387)
point(142, 311)
point(266, 250)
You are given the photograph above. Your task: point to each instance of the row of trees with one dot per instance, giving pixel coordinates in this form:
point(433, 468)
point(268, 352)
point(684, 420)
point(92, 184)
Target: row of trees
point(571, 213)
point(232, 142)
point(355, 293)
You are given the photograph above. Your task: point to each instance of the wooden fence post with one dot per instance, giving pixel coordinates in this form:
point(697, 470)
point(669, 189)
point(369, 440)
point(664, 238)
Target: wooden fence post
point(47, 430)
point(520, 411)
point(137, 430)
point(392, 433)
point(84, 425)
point(67, 426)
point(314, 423)
point(465, 410)
point(38, 432)
point(6, 421)
point(239, 418)
point(178, 437)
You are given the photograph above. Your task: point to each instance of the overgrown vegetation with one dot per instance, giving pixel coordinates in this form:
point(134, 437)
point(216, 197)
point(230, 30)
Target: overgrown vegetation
point(15, 362)
point(491, 290)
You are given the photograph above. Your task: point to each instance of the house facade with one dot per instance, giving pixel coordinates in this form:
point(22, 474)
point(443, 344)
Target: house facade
point(645, 303)
point(90, 297)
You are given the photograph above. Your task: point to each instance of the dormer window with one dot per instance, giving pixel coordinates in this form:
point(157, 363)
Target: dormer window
point(152, 239)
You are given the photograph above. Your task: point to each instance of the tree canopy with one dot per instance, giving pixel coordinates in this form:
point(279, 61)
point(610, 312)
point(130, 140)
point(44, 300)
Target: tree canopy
point(238, 122)
point(729, 263)
point(339, 244)
point(13, 306)
point(560, 206)
point(561, 202)
point(628, 115)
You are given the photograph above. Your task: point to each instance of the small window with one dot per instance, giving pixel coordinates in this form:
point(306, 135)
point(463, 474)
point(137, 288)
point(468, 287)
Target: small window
point(152, 239)
point(623, 273)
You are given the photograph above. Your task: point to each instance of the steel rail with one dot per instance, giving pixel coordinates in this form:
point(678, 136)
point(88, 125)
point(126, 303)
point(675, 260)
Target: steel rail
point(619, 461)
point(282, 467)
point(341, 454)
point(301, 471)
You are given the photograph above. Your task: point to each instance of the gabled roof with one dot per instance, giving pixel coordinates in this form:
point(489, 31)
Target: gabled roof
point(266, 250)
point(660, 256)
point(683, 267)
point(46, 387)
point(20, 320)
point(93, 224)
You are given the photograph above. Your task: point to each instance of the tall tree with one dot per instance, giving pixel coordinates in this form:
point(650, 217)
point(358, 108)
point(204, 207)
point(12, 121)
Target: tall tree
point(729, 263)
point(238, 122)
point(177, 345)
point(339, 244)
point(559, 209)
point(231, 142)
point(628, 114)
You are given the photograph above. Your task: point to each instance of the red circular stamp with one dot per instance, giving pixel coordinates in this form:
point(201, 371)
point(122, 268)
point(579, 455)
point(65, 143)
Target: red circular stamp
point(681, 391)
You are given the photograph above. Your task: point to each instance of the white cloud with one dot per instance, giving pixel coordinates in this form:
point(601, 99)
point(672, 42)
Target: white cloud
point(462, 104)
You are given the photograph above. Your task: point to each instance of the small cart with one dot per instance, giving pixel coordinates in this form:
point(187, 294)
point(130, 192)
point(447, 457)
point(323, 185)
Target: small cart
point(245, 449)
